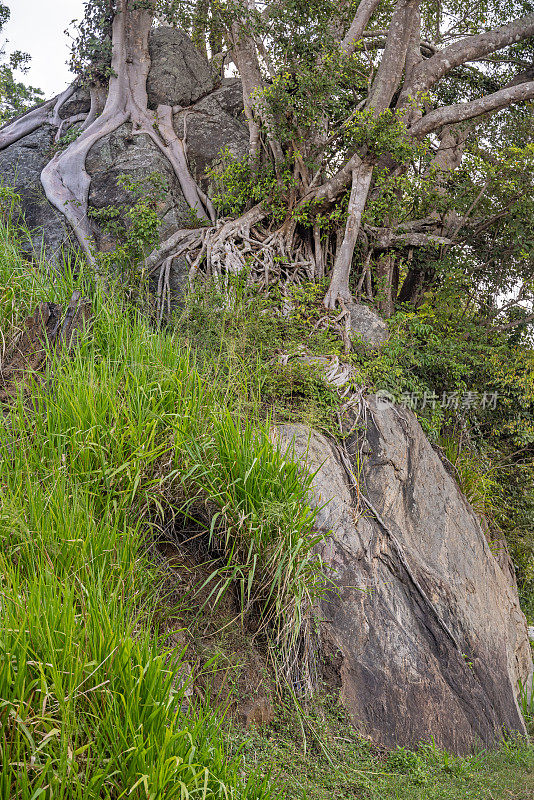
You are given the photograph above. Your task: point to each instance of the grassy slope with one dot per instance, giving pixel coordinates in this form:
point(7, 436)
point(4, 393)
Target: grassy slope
point(90, 698)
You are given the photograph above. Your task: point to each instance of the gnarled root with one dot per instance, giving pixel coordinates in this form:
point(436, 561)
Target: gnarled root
point(65, 178)
point(240, 246)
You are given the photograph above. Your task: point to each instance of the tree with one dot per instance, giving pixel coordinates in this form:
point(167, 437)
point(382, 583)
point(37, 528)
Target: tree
point(380, 133)
point(15, 96)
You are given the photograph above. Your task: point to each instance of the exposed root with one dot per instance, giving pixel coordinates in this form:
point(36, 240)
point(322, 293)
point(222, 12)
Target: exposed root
point(66, 124)
point(26, 124)
point(338, 290)
point(61, 99)
point(245, 246)
point(163, 295)
point(98, 94)
point(65, 178)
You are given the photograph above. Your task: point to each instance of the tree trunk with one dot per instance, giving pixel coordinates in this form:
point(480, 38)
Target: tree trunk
point(339, 284)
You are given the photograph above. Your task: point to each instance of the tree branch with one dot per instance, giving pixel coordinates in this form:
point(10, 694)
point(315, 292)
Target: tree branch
point(388, 77)
point(26, 123)
point(470, 48)
point(462, 111)
point(514, 323)
point(358, 25)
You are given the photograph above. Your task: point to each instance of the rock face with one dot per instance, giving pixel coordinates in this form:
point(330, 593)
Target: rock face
point(424, 635)
point(209, 119)
point(179, 75)
point(122, 153)
point(21, 165)
point(212, 125)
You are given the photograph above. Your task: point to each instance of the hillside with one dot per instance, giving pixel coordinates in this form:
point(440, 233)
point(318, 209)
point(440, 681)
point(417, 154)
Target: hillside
point(267, 393)
point(114, 459)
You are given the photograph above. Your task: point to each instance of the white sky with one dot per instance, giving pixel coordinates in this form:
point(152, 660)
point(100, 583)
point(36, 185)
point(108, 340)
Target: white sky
point(37, 27)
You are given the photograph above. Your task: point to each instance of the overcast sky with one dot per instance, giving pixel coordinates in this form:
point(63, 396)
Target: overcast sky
point(37, 27)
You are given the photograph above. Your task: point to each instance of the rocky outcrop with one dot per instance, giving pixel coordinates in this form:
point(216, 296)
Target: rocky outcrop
point(179, 75)
point(423, 634)
point(211, 126)
point(123, 153)
point(209, 119)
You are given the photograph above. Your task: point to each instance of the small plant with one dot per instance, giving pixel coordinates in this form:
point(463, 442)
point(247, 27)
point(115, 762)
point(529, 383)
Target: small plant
point(526, 703)
point(263, 527)
point(299, 391)
point(67, 138)
point(134, 232)
point(239, 184)
point(476, 476)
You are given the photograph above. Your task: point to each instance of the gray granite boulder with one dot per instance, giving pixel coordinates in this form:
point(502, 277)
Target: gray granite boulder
point(211, 126)
point(423, 635)
point(367, 325)
point(78, 103)
point(179, 74)
point(122, 153)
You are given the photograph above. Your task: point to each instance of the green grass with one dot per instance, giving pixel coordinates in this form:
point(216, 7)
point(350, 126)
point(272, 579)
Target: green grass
point(266, 539)
point(124, 429)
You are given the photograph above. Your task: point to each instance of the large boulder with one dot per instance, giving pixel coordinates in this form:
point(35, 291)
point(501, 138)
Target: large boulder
point(179, 75)
point(210, 120)
point(367, 325)
point(122, 153)
point(423, 635)
point(212, 126)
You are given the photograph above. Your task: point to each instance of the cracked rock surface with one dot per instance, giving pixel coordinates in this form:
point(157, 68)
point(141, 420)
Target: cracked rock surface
point(424, 635)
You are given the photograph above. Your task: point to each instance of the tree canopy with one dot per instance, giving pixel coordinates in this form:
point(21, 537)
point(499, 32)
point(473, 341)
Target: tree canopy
point(391, 140)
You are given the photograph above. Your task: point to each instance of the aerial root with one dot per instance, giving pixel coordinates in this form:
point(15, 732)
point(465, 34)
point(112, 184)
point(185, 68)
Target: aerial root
point(240, 247)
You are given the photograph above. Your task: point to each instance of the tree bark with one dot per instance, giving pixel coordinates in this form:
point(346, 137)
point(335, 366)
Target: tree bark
point(460, 112)
point(339, 284)
point(388, 77)
point(26, 124)
point(365, 11)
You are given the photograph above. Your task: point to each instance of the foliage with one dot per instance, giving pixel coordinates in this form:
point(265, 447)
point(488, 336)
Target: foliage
point(134, 232)
point(134, 426)
point(476, 476)
point(15, 96)
point(22, 285)
point(239, 184)
point(89, 697)
point(91, 46)
point(247, 337)
point(262, 528)
point(65, 139)
point(292, 390)
point(526, 703)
